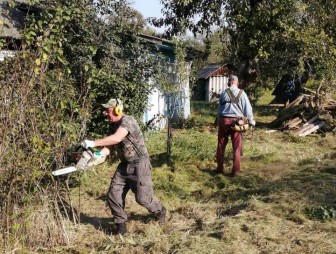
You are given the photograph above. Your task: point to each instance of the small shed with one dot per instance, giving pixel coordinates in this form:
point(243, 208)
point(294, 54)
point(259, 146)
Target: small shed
point(212, 79)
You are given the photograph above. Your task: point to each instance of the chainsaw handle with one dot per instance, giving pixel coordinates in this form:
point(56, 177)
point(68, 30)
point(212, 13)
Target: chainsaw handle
point(78, 147)
point(91, 150)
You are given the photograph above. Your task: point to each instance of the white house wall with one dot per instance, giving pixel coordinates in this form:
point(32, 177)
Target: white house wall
point(186, 102)
point(157, 110)
point(6, 53)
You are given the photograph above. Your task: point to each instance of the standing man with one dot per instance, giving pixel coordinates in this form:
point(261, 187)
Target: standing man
point(233, 104)
point(133, 172)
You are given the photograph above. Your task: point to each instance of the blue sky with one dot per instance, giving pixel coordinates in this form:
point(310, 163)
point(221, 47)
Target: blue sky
point(149, 8)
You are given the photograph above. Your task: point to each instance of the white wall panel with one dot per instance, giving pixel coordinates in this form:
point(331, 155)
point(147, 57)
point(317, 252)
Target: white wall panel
point(217, 84)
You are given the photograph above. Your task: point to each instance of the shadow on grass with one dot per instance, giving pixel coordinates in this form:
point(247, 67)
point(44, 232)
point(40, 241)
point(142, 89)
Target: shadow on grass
point(316, 186)
point(99, 223)
point(232, 211)
point(217, 235)
point(263, 125)
point(266, 110)
point(106, 224)
point(103, 224)
point(210, 171)
point(157, 160)
point(330, 170)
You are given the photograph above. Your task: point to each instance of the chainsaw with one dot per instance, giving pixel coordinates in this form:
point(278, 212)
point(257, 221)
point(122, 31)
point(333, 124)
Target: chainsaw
point(87, 159)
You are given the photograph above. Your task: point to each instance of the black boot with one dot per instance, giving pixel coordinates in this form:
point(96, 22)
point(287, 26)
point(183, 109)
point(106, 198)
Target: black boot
point(121, 228)
point(161, 216)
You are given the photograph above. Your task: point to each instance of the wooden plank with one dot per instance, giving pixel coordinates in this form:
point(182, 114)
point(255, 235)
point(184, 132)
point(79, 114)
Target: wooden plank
point(308, 90)
point(304, 128)
point(271, 131)
point(295, 102)
point(278, 122)
point(311, 120)
point(292, 123)
point(317, 125)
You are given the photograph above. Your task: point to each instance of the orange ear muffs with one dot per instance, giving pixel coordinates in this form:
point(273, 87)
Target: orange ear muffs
point(117, 109)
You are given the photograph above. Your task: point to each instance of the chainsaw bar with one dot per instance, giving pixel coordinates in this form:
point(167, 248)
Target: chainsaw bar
point(64, 171)
point(87, 160)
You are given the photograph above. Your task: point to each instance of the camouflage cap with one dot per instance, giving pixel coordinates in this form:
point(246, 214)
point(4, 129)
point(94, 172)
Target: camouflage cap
point(113, 103)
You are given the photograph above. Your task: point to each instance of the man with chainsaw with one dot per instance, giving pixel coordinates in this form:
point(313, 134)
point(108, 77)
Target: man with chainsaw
point(234, 106)
point(133, 172)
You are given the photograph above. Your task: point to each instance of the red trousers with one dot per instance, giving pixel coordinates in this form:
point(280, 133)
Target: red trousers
point(224, 132)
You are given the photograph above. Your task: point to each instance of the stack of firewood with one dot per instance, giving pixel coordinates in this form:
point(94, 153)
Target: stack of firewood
point(307, 114)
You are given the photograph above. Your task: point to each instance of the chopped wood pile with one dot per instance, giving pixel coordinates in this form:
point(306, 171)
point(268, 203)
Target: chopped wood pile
point(307, 114)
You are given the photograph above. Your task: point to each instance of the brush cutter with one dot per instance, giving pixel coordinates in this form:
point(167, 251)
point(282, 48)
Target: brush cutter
point(88, 158)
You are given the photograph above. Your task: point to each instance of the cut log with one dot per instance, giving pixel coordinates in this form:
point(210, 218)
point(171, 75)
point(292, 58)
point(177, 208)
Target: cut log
point(315, 126)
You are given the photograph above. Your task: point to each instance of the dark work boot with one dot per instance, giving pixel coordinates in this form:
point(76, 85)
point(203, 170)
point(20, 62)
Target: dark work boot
point(161, 216)
point(121, 228)
point(220, 171)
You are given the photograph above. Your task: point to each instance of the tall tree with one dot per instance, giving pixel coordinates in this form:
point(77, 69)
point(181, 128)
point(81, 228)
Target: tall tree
point(270, 38)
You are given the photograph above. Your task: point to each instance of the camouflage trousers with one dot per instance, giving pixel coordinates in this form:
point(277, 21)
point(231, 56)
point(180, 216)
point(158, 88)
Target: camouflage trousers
point(134, 176)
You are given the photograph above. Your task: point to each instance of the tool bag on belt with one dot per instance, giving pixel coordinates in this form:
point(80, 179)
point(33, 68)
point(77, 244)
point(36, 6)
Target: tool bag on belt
point(241, 124)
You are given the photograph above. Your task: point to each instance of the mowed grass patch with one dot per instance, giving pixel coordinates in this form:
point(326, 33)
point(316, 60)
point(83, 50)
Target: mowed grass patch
point(276, 205)
point(189, 146)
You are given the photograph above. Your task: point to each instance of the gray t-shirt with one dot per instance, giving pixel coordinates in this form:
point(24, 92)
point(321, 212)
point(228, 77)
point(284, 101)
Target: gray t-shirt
point(132, 147)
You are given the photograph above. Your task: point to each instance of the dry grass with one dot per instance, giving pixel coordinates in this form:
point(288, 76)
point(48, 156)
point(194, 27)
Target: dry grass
point(269, 208)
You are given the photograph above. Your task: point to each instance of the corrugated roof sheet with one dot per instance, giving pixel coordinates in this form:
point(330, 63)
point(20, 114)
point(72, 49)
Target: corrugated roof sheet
point(155, 40)
point(206, 71)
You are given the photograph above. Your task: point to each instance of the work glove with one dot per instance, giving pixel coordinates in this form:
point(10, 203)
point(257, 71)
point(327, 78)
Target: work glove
point(87, 144)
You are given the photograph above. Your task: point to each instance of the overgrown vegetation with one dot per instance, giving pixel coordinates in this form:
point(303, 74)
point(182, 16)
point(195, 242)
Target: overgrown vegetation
point(70, 58)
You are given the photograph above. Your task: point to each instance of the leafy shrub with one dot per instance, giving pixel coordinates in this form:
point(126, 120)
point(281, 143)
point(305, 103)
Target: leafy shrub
point(50, 97)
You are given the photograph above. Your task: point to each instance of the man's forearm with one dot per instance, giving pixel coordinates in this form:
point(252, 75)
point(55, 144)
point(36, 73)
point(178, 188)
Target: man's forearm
point(108, 141)
point(112, 139)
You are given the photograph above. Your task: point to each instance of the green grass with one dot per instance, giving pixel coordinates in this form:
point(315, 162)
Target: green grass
point(283, 201)
point(266, 98)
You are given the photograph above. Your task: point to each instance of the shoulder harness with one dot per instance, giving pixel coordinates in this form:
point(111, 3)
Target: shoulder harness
point(234, 99)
